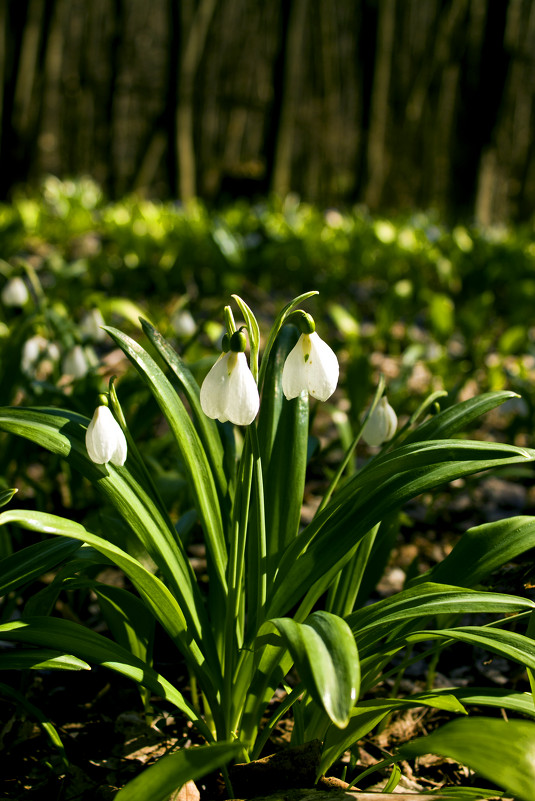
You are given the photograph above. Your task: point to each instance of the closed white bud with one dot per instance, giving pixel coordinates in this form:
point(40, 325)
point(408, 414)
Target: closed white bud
point(381, 424)
point(75, 362)
point(229, 391)
point(35, 352)
point(312, 366)
point(90, 325)
point(15, 292)
point(104, 438)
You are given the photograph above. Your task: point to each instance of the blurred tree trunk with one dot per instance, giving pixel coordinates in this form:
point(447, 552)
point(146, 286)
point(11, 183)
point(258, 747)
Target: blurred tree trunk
point(377, 153)
point(293, 58)
point(195, 23)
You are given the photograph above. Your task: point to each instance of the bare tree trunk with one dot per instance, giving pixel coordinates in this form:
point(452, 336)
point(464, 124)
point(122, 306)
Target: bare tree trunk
point(377, 153)
point(191, 55)
point(281, 178)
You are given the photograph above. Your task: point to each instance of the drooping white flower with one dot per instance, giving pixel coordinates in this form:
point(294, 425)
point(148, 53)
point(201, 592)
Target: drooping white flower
point(104, 438)
point(15, 292)
point(90, 325)
point(381, 425)
point(38, 352)
point(229, 391)
point(75, 362)
point(312, 366)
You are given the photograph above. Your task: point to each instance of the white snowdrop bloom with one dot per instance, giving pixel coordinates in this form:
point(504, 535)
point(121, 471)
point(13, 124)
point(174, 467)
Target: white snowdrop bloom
point(312, 366)
point(35, 351)
point(229, 391)
point(183, 323)
point(75, 362)
point(15, 292)
point(381, 425)
point(90, 325)
point(104, 438)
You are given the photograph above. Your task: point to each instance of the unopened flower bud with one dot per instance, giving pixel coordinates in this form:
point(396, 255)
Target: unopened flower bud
point(381, 425)
point(104, 439)
point(15, 292)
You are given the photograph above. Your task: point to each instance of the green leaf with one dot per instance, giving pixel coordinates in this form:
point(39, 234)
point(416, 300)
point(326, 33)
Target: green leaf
point(458, 417)
point(491, 696)
point(327, 541)
point(326, 658)
point(24, 566)
point(48, 728)
point(156, 597)
point(483, 549)
point(6, 495)
point(509, 644)
point(429, 599)
point(207, 427)
point(501, 751)
point(367, 714)
point(172, 771)
point(96, 649)
point(191, 450)
point(63, 433)
point(41, 659)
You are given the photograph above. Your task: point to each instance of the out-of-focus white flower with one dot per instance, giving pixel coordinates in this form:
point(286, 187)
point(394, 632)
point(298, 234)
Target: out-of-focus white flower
point(90, 325)
point(183, 323)
point(312, 366)
point(75, 362)
point(104, 438)
point(381, 424)
point(35, 351)
point(229, 391)
point(15, 292)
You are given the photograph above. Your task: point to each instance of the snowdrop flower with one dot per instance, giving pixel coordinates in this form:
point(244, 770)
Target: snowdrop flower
point(104, 438)
point(229, 391)
point(381, 424)
point(311, 365)
point(75, 362)
point(35, 351)
point(15, 293)
point(90, 325)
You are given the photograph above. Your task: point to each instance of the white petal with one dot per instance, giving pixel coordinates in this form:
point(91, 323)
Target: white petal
point(104, 439)
point(321, 369)
point(242, 398)
point(214, 389)
point(381, 425)
point(294, 379)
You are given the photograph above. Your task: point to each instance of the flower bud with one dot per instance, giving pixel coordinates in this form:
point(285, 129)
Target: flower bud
point(104, 439)
point(15, 292)
point(381, 425)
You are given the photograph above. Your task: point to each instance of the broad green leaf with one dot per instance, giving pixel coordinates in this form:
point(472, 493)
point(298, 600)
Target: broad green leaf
point(329, 538)
point(458, 417)
point(96, 649)
point(427, 599)
point(191, 450)
point(367, 714)
point(6, 495)
point(40, 659)
point(156, 597)
point(207, 427)
point(494, 697)
point(501, 751)
point(172, 771)
point(64, 433)
point(326, 658)
point(24, 566)
point(509, 644)
point(483, 549)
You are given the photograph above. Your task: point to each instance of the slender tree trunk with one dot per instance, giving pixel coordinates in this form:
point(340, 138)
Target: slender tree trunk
point(192, 51)
point(281, 179)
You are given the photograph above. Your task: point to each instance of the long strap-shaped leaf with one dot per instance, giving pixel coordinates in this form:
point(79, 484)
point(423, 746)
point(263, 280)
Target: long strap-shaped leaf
point(152, 590)
point(206, 427)
point(64, 433)
point(198, 469)
point(332, 534)
point(96, 649)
